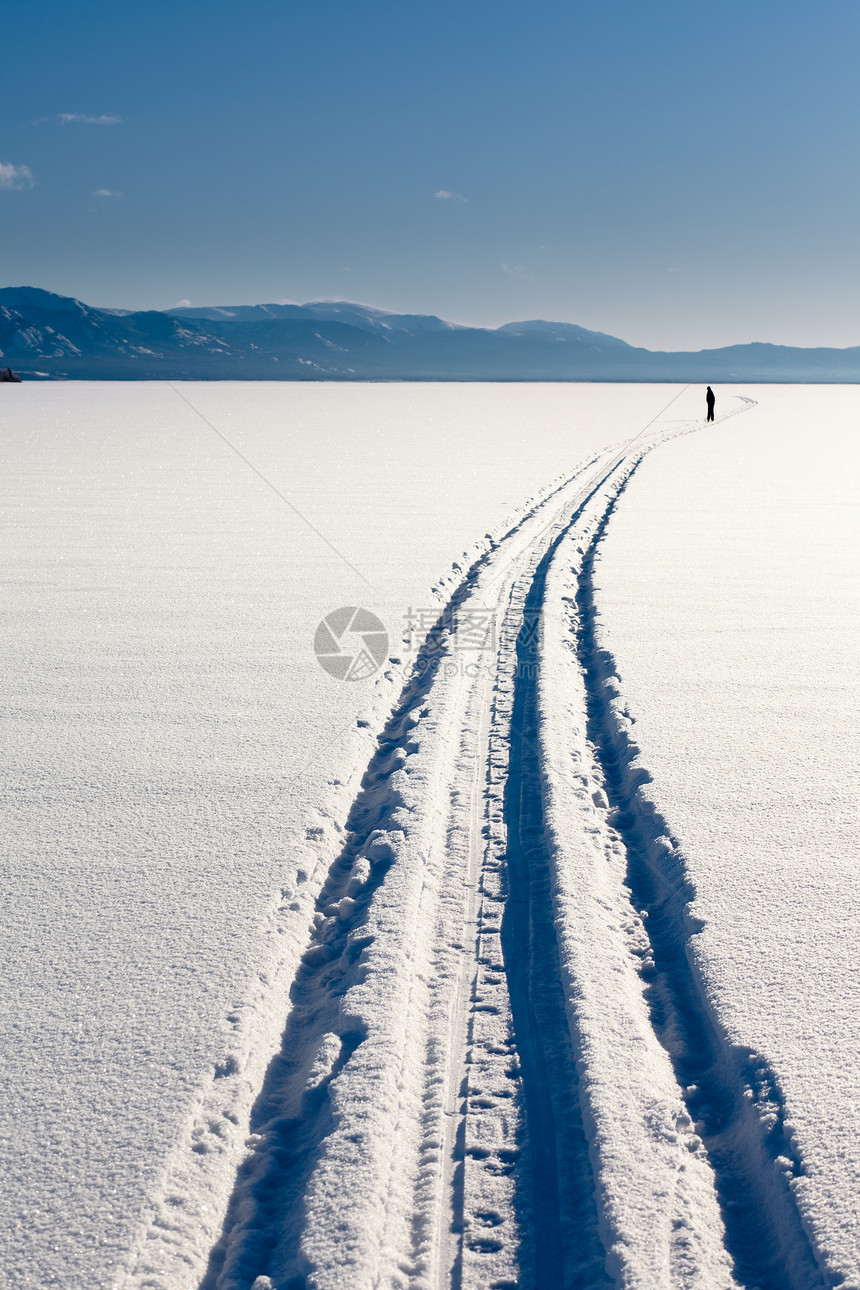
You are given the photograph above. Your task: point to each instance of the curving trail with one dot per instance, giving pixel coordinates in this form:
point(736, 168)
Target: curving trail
point(498, 1067)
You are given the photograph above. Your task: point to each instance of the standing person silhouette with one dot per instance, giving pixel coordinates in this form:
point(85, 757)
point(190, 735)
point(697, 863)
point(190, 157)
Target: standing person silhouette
point(710, 399)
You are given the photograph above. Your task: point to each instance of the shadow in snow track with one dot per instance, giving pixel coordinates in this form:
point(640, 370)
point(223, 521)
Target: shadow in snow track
point(730, 1091)
point(567, 1251)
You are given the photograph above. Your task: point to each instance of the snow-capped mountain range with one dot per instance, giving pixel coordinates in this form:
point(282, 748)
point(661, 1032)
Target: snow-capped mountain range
point(47, 336)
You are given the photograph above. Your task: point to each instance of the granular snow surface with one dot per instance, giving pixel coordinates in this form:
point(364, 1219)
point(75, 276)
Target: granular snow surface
point(525, 960)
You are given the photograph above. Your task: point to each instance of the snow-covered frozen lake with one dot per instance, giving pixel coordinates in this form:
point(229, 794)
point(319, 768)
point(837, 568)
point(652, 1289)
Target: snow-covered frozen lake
point(180, 771)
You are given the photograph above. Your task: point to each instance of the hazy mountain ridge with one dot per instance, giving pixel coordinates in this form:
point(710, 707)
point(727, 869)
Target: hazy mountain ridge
point(43, 335)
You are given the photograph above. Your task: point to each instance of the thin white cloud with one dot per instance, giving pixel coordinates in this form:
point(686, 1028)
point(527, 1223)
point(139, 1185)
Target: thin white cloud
point(81, 118)
point(445, 195)
point(15, 176)
point(106, 192)
point(517, 271)
point(181, 304)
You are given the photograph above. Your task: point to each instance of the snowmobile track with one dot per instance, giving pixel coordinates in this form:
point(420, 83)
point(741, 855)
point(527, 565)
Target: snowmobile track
point(437, 1117)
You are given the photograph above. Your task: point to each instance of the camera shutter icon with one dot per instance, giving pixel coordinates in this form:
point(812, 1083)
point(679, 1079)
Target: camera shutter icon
point(351, 644)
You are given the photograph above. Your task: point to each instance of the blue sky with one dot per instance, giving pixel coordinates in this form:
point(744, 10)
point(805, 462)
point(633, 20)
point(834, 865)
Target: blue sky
point(678, 174)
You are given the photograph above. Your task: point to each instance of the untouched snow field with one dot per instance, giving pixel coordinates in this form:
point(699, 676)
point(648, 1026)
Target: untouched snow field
point(491, 970)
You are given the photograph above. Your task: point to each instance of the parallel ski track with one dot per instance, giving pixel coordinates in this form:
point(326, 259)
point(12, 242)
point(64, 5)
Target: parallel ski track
point(488, 1131)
